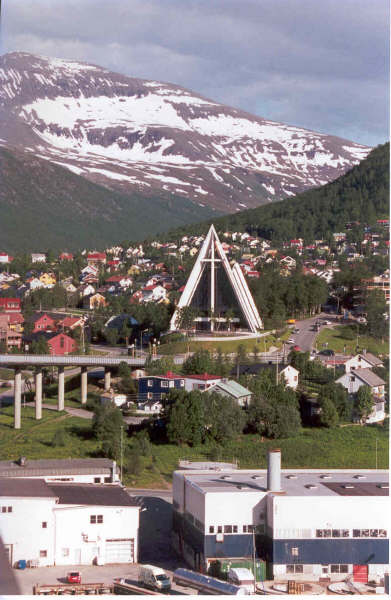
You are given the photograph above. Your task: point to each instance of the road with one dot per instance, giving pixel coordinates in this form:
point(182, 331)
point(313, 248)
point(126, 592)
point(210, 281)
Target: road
point(305, 338)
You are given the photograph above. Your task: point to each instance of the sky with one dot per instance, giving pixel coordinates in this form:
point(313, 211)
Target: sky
point(318, 64)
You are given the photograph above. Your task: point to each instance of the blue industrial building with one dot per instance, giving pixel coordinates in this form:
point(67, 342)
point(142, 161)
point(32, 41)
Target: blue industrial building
point(306, 524)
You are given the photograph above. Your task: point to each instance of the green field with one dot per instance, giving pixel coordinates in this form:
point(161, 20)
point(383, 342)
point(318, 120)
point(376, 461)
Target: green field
point(336, 340)
point(227, 347)
point(350, 447)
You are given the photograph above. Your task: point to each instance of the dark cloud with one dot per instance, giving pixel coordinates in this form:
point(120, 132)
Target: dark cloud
point(318, 64)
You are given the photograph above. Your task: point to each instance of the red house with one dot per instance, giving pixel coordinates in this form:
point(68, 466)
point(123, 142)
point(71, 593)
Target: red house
point(65, 256)
point(10, 305)
point(61, 344)
point(44, 323)
point(96, 258)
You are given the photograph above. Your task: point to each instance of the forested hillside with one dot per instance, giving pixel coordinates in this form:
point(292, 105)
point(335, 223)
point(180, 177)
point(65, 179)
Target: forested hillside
point(362, 194)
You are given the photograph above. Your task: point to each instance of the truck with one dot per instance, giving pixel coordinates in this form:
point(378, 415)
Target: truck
point(154, 578)
point(206, 585)
point(242, 578)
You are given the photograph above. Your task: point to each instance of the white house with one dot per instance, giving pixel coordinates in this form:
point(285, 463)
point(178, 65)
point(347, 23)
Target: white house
point(291, 376)
point(200, 382)
point(353, 380)
point(67, 524)
point(113, 398)
point(38, 257)
point(362, 361)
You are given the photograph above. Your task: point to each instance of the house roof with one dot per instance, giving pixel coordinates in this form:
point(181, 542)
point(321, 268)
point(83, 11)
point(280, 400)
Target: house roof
point(232, 388)
point(55, 466)
point(203, 377)
point(368, 377)
point(372, 359)
point(91, 494)
point(26, 488)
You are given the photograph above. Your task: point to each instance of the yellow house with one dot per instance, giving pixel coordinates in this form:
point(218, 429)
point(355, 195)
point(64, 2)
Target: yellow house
point(134, 270)
point(193, 251)
point(47, 279)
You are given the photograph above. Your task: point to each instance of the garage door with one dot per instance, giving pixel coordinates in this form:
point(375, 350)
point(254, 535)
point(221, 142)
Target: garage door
point(119, 550)
point(360, 573)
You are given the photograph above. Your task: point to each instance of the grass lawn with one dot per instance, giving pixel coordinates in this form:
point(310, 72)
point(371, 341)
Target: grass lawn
point(229, 346)
point(33, 440)
point(350, 447)
point(336, 341)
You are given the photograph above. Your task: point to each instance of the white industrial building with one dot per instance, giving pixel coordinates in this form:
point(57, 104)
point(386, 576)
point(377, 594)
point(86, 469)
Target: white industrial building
point(69, 470)
point(305, 524)
point(67, 523)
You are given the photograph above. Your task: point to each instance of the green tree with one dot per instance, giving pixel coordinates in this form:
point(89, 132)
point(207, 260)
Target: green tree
point(363, 403)
point(106, 427)
point(39, 346)
point(223, 417)
point(111, 335)
point(200, 362)
point(185, 418)
point(376, 308)
point(328, 416)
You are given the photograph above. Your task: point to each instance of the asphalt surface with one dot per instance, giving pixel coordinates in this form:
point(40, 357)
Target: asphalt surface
point(305, 338)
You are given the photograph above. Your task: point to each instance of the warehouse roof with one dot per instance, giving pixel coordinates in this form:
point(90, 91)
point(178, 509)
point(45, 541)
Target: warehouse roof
point(312, 482)
point(44, 467)
point(91, 494)
point(26, 488)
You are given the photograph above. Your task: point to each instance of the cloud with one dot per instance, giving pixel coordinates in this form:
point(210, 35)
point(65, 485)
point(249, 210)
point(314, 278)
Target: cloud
point(321, 65)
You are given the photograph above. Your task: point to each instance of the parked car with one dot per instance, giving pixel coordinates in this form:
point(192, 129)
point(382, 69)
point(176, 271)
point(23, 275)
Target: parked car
point(154, 578)
point(327, 352)
point(297, 348)
point(362, 320)
point(291, 341)
point(74, 577)
point(296, 330)
point(327, 322)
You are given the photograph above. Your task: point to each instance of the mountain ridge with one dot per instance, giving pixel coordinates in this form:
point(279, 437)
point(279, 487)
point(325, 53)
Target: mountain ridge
point(138, 136)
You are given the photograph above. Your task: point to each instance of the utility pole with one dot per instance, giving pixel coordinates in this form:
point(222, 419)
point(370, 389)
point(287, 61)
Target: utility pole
point(376, 454)
point(121, 453)
point(254, 563)
point(277, 368)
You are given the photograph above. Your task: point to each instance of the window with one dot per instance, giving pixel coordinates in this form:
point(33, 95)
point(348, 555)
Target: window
point(294, 551)
point(219, 529)
point(336, 533)
point(324, 533)
point(65, 552)
point(3, 509)
point(247, 528)
point(96, 519)
point(150, 383)
point(150, 396)
point(294, 568)
point(44, 525)
point(62, 342)
point(9, 508)
point(43, 553)
point(107, 479)
point(211, 529)
point(227, 528)
point(96, 479)
point(182, 382)
point(339, 569)
point(235, 529)
point(164, 384)
point(172, 384)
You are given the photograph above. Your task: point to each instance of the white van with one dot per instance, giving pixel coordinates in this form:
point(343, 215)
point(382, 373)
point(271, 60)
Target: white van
point(154, 578)
point(242, 577)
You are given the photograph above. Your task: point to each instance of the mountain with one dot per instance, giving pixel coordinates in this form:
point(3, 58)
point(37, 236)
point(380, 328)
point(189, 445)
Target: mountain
point(44, 205)
point(152, 138)
point(362, 195)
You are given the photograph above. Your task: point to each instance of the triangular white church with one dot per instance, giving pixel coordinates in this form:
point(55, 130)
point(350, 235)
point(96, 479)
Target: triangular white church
point(215, 290)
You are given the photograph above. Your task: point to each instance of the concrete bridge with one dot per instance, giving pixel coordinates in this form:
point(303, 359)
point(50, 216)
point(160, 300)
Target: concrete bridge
point(37, 361)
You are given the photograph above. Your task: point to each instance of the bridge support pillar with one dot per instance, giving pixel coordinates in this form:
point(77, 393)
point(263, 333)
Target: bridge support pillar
point(107, 379)
point(38, 393)
point(84, 385)
point(61, 388)
point(17, 398)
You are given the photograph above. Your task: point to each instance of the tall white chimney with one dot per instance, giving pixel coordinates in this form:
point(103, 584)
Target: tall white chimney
point(274, 470)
